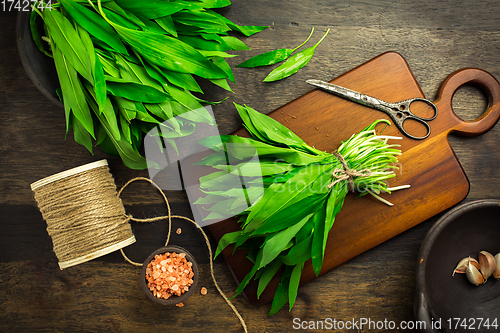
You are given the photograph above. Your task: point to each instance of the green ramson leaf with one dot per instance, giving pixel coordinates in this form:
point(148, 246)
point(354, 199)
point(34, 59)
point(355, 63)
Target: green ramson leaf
point(320, 236)
point(109, 66)
point(266, 59)
point(215, 3)
point(281, 293)
point(114, 11)
point(303, 186)
point(234, 43)
point(222, 83)
point(69, 43)
point(271, 57)
point(187, 107)
point(125, 21)
point(108, 112)
point(170, 53)
point(220, 181)
point(294, 63)
point(297, 207)
point(181, 80)
point(96, 66)
point(247, 30)
point(271, 131)
point(136, 92)
point(205, 21)
point(167, 24)
point(125, 104)
point(129, 155)
point(72, 91)
point(200, 43)
point(248, 148)
point(257, 168)
point(276, 244)
point(222, 64)
point(125, 129)
point(249, 276)
point(252, 194)
point(152, 9)
point(210, 54)
point(267, 275)
point(99, 83)
point(94, 24)
point(136, 73)
point(81, 135)
point(300, 252)
point(335, 203)
point(35, 35)
point(294, 284)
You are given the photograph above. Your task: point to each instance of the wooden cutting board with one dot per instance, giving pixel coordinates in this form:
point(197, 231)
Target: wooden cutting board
point(430, 166)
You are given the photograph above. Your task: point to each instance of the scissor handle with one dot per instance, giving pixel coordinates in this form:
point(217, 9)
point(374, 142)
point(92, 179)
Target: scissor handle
point(400, 120)
point(405, 106)
point(400, 112)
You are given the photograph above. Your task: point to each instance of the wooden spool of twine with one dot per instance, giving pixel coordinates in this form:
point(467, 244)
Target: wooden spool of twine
point(85, 217)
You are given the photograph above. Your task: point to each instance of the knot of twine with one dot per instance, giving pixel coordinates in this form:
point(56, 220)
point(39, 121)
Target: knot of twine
point(86, 219)
point(347, 173)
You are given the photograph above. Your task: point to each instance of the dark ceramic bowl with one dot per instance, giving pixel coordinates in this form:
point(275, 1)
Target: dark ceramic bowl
point(442, 300)
point(172, 299)
point(39, 67)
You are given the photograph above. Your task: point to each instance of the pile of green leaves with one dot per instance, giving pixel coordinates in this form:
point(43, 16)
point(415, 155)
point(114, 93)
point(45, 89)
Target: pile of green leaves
point(126, 66)
point(292, 64)
point(290, 217)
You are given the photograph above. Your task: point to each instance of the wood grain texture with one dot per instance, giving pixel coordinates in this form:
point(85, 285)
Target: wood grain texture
point(436, 38)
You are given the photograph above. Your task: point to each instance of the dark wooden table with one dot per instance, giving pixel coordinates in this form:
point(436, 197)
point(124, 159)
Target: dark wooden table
point(436, 38)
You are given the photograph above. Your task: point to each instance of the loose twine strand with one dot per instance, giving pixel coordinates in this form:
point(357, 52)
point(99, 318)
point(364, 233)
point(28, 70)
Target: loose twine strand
point(346, 173)
point(85, 223)
point(169, 217)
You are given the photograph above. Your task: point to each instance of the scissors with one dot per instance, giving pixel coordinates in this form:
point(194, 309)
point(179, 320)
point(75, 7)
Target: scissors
point(399, 112)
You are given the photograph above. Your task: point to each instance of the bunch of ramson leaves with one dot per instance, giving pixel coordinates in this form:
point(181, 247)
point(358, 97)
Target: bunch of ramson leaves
point(292, 64)
point(126, 66)
point(292, 213)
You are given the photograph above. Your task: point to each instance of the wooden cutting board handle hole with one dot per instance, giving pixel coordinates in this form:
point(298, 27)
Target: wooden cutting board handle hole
point(469, 76)
point(469, 102)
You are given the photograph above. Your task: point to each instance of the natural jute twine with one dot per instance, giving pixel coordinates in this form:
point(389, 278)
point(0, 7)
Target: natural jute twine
point(86, 218)
point(346, 173)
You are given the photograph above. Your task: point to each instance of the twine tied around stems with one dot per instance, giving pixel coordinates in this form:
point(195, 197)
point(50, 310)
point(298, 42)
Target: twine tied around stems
point(347, 173)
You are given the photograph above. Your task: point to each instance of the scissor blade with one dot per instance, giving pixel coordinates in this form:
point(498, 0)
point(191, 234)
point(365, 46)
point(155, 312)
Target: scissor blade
point(349, 94)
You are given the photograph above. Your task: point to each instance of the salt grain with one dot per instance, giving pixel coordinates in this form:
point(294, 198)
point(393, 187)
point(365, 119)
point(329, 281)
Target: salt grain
point(169, 274)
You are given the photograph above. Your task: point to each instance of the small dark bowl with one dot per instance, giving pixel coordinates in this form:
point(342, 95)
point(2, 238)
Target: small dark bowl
point(440, 297)
point(39, 67)
point(172, 299)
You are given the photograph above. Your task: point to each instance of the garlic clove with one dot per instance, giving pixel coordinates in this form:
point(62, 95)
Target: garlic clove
point(487, 263)
point(473, 274)
point(496, 272)
point(462, 265)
